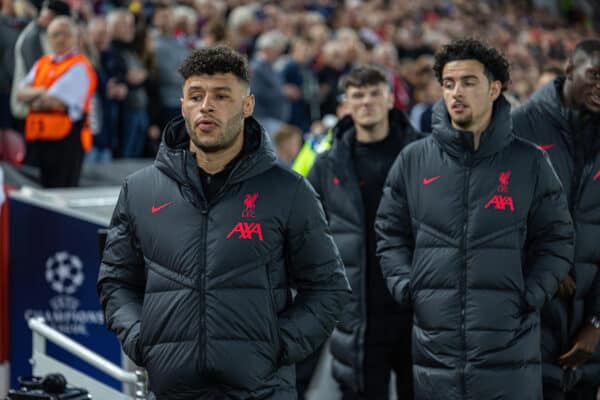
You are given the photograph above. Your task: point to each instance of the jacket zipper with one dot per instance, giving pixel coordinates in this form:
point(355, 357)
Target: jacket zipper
point(203, 332)
point(463, 278)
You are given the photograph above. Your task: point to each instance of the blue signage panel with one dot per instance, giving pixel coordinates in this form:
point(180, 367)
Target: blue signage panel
point(54, 261)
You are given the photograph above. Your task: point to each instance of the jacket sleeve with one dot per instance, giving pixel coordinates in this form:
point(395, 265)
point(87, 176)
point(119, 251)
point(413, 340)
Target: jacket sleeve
point(395, 241)
point(316, 271)
point(121, 280)
point(592, 299)
point(550, 238)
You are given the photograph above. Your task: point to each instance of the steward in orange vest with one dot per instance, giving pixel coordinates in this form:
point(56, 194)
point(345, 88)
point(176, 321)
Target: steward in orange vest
point(58, 91)
point(52, 125)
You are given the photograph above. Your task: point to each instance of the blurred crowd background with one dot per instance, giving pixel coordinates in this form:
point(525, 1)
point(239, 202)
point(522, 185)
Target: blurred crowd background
point(297, 50)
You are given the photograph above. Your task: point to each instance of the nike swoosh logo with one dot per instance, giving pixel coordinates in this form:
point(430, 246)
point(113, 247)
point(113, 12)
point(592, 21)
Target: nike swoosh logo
point(427, 181)
point(597, 176)
point(546, 147)
point(157, 209)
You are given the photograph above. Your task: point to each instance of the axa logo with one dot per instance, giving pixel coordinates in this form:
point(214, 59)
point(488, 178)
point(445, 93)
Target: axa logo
point(246, 231)
point(250, 205)
point(501, 202)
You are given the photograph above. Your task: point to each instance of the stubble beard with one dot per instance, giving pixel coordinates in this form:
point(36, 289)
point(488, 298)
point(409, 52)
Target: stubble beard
point(231, 131)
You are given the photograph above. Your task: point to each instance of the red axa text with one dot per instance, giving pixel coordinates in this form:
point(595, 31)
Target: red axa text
point(501, 202)
point(245, 230)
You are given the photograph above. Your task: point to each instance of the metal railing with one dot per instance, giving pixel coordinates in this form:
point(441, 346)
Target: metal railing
point(42, 364)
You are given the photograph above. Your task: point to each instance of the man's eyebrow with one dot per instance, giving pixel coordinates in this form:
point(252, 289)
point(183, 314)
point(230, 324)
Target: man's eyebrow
point(216, 88)
point(463, 77)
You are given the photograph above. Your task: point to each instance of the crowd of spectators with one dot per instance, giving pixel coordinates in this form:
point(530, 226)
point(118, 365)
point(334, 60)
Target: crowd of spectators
point(298, 50)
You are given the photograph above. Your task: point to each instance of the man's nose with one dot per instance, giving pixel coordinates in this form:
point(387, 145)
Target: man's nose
point(206, 104)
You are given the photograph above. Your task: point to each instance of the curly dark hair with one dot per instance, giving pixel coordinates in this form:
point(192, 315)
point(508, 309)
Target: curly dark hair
point(496, 67)
point(215, 60)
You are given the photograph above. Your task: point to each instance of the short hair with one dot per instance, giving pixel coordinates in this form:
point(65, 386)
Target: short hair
point(215, 60)
point(271, 40)
point(364, 75)
point(495, 65)
point(586, 47)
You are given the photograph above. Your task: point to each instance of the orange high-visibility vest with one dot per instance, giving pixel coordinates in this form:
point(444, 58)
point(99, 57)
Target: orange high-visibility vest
point(45, 125)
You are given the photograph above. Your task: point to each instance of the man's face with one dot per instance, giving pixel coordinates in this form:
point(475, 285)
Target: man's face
point(585, 77)
point(369, 105)
point(214, 108)
point(61, 37)
point(468, 93)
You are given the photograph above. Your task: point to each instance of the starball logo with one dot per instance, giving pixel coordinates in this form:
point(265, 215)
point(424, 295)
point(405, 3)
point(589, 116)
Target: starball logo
point(247, 230)
point(500, 202)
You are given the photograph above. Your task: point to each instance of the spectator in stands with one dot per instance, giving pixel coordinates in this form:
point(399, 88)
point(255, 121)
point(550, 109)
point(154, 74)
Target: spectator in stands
point(58, 92)
point(10, 26)
point(31, 44)
point(297, 72)
point(126, 67)
point(169, 53)
point(272, 105)
point(287, 140)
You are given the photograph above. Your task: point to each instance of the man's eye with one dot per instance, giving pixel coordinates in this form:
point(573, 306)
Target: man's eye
point(448, 85)
point(196, 98)
point(222, 97)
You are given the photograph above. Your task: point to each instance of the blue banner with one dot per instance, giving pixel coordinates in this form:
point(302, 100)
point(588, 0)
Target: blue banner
point(54, 261)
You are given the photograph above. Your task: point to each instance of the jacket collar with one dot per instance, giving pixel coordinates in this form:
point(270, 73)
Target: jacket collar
point(176, 160)
point(345, 132)
point(457, 142)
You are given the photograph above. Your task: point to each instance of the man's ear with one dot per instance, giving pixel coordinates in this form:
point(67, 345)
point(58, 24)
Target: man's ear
point(496, 89)
point(248, 105)
point(569, 69)
point(390, 100)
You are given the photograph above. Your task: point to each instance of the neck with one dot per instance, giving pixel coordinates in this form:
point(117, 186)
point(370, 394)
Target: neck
point(374, 133)
point(476, 129)
point(215, 162)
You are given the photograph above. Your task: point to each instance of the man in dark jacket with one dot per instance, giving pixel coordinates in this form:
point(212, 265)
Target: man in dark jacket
point(373, 337)
point(475, 233)
point(563, 118)
point(205, 245)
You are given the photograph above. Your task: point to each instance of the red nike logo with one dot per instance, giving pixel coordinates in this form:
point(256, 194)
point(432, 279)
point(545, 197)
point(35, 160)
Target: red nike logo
point(157, 209)
point(546, 147)
point(597, 175)
point(427, 181)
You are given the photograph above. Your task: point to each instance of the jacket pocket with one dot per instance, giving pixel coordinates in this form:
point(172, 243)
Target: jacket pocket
point(274, 319)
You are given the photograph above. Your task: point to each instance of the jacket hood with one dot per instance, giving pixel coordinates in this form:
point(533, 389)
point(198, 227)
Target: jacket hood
point(456, 142)
point(549, 101)
point(176, 160)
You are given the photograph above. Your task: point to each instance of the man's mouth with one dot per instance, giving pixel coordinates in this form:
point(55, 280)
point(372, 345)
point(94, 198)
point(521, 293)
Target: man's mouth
point(458, 106)
point(206, 124)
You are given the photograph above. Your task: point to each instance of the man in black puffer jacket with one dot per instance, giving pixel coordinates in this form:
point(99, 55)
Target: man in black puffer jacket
point(475, 233)
point(563, 118)
point(373, 337)
point(204, 248)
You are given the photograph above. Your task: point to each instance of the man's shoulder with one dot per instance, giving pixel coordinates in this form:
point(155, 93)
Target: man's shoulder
point(142, 177)
point(418, 146)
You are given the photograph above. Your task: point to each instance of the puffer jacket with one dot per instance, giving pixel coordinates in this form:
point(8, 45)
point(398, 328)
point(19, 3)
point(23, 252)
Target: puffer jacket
point(575, 156)
point(334, 178)
point(477, 242)
point(199, 293)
